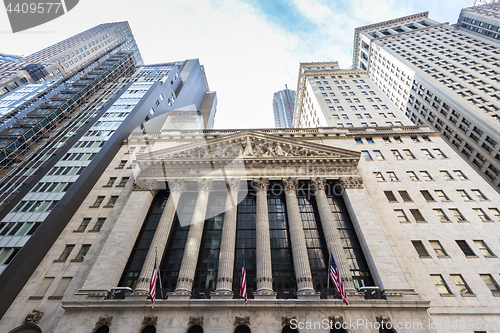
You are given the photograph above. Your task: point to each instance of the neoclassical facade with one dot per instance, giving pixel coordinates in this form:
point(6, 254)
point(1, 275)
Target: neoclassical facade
point(196, 199)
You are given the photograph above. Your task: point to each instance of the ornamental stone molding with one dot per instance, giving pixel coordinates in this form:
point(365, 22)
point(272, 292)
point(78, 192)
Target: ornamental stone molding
point(176, 185)
point(233, 184)
point(145, 185)
point(352, 182)
point(318, 183)
point(204, 184)
point(33, 318)
point(261, 183)
point(241, 320)
point(290, 183)
point(150, 320)
point(225, 279)
point(195, 321)
point(286, 320)
point(106, 320)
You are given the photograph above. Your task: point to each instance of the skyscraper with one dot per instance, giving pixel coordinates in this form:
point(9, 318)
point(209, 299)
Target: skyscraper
point(59, 134)
point(443, 76)
point(484, 2)
point(283, 104)
point(67, 56)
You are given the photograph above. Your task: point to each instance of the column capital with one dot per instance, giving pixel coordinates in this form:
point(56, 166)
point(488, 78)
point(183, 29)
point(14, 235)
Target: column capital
point(204, 184)
point(233, 184)
point(290, 183)
point(177, 185)
point(261, 183)
point(318, 183)
point(351, 182)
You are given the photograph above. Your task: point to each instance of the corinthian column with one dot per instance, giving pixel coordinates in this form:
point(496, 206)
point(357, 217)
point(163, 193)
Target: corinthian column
point(263, 242)
point(160, 238)
point(303, 275)
point(332, 235)
point(226, 258)
point(192, 246)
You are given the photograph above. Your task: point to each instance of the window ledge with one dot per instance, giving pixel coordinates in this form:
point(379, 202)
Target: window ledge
point(424, 257)
point(76, 260)
point(60, 260)
point(55, 297)
point(93, 206)
point(447, 295)
point(441, 257)
point(107, 206)
point(41, 297)
point(468, 295)
point(491, 256)
point(472, 257)
point(78, 231)
point(94, 230)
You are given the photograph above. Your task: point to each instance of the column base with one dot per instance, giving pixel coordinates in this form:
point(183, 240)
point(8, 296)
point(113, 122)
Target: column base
point(221, 295)
point(308, 295)
point(264, 295)
point(179, 296)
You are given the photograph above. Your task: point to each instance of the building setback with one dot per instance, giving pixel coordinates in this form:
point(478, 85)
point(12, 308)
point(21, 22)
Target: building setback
point(442, 76)
point(283, 107)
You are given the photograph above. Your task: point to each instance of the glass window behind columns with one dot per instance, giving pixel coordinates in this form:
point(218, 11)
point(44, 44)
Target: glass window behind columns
point(352, 248)
point(245, 235)
point(172, 257)
point(281, 251)
point(143, 241)
point(315, 239)
point(208, 258)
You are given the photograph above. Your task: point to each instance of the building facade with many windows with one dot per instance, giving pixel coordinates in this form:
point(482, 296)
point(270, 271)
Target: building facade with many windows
point(413, 229)
point(445, 77)
point(283, 107)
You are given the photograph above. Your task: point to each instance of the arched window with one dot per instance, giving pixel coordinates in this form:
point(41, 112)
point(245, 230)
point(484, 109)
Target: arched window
point(102, 329)
point(149, 329)
point(288, 329)
point(242, 329)
point(195, 329)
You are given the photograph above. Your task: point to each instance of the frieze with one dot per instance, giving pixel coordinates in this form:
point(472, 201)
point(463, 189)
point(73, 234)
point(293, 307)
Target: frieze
point(33, 318)
point(250, 148)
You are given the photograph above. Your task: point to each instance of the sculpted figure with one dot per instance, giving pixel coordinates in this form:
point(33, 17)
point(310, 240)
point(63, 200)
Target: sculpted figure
point(248, 147)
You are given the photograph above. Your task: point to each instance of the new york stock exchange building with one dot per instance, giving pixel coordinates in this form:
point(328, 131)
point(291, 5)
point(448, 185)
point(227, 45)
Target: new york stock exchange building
point(195, 201)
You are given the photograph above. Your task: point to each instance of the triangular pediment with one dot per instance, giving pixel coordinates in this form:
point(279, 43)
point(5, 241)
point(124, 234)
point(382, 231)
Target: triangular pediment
point(249, 146)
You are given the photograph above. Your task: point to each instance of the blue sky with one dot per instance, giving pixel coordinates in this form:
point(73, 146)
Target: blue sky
point(250, 48)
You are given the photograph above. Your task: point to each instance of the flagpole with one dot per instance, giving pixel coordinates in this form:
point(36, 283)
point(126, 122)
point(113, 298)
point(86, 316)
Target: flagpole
point(158, 271)
point(328, 273)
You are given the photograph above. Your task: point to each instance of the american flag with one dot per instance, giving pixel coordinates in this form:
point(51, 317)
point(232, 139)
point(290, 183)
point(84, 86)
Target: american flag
point(337, 281)
point(152, 286)
point(243, 282)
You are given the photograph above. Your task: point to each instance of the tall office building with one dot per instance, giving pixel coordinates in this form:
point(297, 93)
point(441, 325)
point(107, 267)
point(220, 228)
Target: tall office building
point(412, 228)
point(283, 104)
point(443, 76)
point(484, 2)
point(64, 132)
point(482, 20)
point(66, 57)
